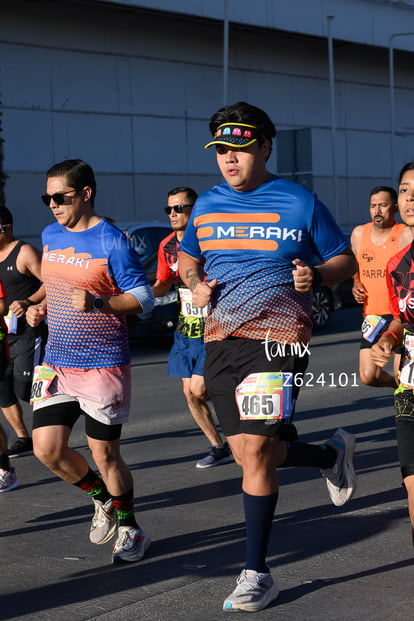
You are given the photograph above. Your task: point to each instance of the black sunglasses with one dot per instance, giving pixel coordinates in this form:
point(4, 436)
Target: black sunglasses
point(58, 197)
point(177, 208)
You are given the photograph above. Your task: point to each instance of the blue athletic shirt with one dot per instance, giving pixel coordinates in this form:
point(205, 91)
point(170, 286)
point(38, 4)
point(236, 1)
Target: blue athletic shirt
point(103, 261)
point(248, 241)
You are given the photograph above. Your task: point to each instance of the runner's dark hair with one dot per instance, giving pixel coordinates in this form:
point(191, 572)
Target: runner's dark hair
point(78, 174)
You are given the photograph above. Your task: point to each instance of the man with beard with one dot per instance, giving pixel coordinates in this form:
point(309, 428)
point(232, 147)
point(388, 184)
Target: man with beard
point(374, 244)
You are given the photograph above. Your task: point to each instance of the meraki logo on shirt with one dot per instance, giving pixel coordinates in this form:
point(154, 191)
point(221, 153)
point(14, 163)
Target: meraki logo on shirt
point(67, 258)
point(243, 231)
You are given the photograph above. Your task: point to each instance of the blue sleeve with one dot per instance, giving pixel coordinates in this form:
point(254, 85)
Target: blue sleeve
point(327, 238)
point(189, 243)
point(125, 267)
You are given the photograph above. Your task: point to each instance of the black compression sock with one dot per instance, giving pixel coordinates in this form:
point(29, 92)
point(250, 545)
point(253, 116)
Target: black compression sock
point(301, 454)
point(4, 462)
point(94, 486)
point(259, 511)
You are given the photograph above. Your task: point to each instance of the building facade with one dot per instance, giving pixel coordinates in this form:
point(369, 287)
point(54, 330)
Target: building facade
point(130, 86)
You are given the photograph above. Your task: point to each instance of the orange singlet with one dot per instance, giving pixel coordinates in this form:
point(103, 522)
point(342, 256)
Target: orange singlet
point(372, 263)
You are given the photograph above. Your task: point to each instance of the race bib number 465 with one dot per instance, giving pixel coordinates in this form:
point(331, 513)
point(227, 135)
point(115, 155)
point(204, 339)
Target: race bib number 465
point(265, 396)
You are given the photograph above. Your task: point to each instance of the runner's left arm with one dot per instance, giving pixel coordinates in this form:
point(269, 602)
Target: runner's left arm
point(126, 271)
point(334, 270)
point(138, 300)
point(337, 261)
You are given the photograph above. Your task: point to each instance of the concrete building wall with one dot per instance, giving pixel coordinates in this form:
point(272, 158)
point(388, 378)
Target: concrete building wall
point(131, 92)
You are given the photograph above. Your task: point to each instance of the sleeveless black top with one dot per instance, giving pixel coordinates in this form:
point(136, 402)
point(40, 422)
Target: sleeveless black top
point(18, 286)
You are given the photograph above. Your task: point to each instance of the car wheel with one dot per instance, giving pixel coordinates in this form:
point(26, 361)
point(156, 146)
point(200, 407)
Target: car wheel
point(321, 308)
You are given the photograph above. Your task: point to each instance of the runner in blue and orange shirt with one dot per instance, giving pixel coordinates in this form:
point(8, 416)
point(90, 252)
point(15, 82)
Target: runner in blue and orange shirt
point(93, 277)
point(256, 237)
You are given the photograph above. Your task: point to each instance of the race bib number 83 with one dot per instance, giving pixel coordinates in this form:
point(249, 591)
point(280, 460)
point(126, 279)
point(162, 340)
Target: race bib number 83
point(264, 396)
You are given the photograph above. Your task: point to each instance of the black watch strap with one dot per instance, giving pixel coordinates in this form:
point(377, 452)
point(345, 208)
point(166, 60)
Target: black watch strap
point(317, 277)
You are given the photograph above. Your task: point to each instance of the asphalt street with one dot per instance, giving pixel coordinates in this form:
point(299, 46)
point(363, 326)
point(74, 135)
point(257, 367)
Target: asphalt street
point(349, 563)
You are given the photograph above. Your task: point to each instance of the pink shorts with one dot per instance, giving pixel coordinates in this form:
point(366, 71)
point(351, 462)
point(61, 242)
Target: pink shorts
point(103, 394)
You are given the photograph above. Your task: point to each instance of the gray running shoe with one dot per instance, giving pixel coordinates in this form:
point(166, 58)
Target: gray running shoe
point(8, 480)
point(104, 522)
point(341, 479)
point(253, 592)
point(217, 455)
point(131, 545)
point(21, 447)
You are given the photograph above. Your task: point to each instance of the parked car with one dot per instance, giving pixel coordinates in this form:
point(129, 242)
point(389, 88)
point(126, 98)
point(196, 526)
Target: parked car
point(145, 237)
point(328, 299)
point(161, 321)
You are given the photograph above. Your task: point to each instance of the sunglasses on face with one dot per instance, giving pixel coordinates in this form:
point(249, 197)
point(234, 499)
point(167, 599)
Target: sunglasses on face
point(177, 208)
point(58, 197)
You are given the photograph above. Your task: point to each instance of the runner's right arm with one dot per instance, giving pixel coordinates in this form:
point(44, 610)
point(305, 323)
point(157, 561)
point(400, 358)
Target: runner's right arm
point(358, 290)
point(192, 274)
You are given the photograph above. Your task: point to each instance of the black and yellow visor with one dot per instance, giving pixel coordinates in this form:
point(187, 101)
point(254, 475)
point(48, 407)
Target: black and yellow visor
point(235, 134)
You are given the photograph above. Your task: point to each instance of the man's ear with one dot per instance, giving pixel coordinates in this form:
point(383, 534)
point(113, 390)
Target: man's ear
point(265, 148)
point(87, 192)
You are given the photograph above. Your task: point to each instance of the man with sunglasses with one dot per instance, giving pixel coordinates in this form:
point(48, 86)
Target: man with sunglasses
point(255, 237)
point(20, 274)
point(186, 359)
point(93, 278)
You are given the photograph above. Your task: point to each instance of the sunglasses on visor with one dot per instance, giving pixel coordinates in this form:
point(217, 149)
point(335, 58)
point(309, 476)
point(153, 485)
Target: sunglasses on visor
point(58, 197)
point(177, 208)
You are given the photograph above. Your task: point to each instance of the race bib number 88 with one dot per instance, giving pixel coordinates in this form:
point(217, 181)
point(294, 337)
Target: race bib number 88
point(42, 378)
point(264, 396)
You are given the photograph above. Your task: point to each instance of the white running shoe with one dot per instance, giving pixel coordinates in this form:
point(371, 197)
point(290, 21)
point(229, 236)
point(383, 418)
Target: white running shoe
point(253, 592)
point(104, 522)
point(341, 479)
point(131, 544)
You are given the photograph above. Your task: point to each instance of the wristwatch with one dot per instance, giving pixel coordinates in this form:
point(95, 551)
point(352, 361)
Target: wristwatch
point(97, 304)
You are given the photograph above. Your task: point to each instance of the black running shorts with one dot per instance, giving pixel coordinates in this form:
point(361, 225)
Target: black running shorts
point(66, 414)
point(404, 411)
point(228, 363)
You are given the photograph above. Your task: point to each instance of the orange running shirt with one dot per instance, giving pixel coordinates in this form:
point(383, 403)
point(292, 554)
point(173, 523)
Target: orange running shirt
point(372, 264)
